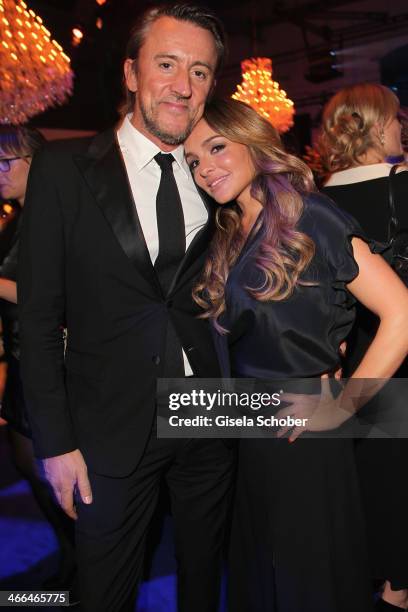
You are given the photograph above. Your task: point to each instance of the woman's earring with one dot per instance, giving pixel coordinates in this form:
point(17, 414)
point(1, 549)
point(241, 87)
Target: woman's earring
point(382, 137)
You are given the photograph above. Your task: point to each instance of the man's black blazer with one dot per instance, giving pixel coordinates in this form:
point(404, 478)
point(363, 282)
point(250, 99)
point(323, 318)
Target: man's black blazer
point(84, 265)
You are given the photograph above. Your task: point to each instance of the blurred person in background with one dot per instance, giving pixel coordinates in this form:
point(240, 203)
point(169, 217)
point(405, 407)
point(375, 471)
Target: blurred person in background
point(17, 146)
point(360, 140)
point(10, 211)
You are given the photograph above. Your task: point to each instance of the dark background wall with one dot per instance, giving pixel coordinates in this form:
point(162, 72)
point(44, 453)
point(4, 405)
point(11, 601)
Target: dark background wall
point(369, 38)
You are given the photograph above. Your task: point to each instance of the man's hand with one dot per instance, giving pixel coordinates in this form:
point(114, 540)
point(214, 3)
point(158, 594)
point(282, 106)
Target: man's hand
point(65, 473)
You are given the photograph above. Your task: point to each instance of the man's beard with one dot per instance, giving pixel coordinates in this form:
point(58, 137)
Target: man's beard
point(162, 135)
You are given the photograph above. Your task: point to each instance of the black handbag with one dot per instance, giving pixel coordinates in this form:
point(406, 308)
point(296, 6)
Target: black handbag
point(397, 236)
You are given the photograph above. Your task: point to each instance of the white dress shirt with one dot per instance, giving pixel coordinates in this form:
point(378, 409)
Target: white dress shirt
point(144, 178)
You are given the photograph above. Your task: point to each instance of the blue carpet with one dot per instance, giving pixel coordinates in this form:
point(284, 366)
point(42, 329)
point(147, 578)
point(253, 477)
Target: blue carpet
point(28, 548)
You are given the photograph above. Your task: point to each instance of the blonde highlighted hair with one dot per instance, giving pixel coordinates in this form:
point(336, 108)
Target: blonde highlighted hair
point(348, 118)
point(280, 180)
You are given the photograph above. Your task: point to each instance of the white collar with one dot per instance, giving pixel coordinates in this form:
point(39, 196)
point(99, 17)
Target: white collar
point(143, 149)
point(358, 174)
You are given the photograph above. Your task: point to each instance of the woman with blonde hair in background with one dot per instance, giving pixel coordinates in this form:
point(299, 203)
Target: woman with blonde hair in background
point(284, 268)
point(360, 140)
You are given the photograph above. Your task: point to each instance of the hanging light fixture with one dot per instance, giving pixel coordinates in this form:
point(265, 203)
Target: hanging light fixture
point(35, 73)
point(259, 91)
point(77, 35)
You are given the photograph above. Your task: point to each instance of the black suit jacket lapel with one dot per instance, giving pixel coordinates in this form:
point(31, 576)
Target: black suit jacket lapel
point(105, 173)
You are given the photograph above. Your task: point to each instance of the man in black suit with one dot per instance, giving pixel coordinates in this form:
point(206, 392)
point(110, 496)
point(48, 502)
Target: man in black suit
point(114, 237)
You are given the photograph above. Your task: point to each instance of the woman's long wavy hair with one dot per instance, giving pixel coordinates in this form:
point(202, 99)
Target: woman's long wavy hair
point(279, 182)
point(348, 118)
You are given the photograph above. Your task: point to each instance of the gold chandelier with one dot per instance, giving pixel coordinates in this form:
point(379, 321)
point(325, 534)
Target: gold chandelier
point(35, 73)
point(263, 94)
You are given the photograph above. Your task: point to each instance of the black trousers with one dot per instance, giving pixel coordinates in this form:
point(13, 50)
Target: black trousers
point(111, 532)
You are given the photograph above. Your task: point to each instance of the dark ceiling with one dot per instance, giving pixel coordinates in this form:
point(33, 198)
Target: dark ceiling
point(97, 61)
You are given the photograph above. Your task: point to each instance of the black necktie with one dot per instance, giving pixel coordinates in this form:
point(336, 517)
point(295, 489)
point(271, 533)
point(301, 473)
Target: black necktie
point(172, 248)
point(170, 223)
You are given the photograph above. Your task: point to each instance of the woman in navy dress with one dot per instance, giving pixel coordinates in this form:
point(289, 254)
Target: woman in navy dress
point(284, 269)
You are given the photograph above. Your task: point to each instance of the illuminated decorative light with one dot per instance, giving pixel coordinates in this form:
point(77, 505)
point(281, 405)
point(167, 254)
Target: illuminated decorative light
point(259, 91)
point(99, 23)
point(77, 36)
point(100, 2)
point(34, 74)
point(77, 33)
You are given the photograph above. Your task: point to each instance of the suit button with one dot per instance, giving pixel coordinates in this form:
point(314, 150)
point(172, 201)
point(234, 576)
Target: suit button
point(169, 303)
point(156, 359)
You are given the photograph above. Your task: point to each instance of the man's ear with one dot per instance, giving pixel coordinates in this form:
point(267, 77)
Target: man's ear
point(130, 75)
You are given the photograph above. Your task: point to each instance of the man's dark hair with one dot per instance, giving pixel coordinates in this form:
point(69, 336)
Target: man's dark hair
point(197, 15)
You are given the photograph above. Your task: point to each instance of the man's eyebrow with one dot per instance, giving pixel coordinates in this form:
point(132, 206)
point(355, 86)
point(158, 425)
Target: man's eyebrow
point(177, 59)
point(205, 64)
point(166, 56)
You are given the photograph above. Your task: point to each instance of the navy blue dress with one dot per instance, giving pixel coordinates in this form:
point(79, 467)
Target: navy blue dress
point(298, 536)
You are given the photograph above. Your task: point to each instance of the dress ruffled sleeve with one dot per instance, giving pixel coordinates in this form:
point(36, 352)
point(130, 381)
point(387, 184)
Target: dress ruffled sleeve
point(333, 231)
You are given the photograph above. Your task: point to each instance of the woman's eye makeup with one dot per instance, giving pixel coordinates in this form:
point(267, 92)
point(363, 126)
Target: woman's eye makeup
point(214, 149)
point(217, 147)
point(193, 164)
